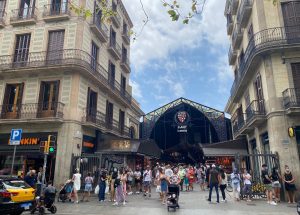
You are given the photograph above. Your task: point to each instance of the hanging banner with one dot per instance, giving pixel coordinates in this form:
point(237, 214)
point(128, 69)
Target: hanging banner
point(182, 119)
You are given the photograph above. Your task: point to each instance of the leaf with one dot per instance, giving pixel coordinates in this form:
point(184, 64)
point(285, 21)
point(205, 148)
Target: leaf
point(185, 21)
point(165, 4)
point(194, 8)
point(172, 13)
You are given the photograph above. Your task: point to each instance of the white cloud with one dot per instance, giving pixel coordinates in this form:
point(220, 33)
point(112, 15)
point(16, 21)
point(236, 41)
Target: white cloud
point(161, 36)
point(136, 90)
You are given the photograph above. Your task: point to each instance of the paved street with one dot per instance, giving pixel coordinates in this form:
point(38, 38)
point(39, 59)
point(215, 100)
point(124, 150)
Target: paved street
point(191, 203)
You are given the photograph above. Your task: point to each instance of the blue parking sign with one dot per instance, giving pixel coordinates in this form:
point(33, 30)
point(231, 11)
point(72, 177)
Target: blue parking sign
point(15, 136)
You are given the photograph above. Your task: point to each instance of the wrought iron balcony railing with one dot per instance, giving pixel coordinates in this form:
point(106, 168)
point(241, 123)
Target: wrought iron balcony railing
point(100, 29)
point(56, 9)
point(291, 98)
point(256, 108)
point(23, 14)
point(244, 12)
point(125, 64)
point(238, 122)
point(115, 49)
point(100, 119)
point(32, 111)
point(63, 58)
point(272, 38)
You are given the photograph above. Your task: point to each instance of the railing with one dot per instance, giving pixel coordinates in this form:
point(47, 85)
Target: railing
point(237, 32)
point(125, 60)
point(241, 12)
point(238, 123)
point(115, 46)
point(32, 110)
point(24, 13)
point(101, 26)
point(62, 58)
point(100, 119)
point(56, 9)
point(291, 98)
point(269, 38)
point(256, 108)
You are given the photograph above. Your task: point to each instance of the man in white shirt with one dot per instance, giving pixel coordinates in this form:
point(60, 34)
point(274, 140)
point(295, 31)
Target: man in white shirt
point(247, 184)
point(147, 178)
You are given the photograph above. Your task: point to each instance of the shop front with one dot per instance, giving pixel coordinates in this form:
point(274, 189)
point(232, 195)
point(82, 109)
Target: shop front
point(28, 155)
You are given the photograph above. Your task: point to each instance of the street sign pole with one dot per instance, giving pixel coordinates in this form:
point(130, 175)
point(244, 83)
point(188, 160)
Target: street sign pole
point(13, 160)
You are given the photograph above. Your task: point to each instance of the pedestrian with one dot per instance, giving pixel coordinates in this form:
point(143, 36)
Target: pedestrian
point(114, 176)
point(137, 180)
point(276, 178)
point(88, 187)
point(76, 184)
point(247, 185)
point(119, 191)
point(289, 183)
point(30, 178)
point(214, 181)
point(207, 172)
point(236, 184)
point(186, 180)
point(202, 178)
point(102, 185)
point(181, 175)
point(129, 181)
point(163, 179)
point(124, 182)
point(147, 177)
point(192, 177)
point(223, 184)
point(266, 178)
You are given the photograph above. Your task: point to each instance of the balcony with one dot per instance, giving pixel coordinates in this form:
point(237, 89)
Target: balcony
point(232, 55)
point(32, 111)
point(24, 16)
point(56, 12)
point(64, 60)
point(269, 40)
point(234, 6)
point(255, 114)
point(291, 100)
point(99, 120)
point(244, 12)
point(116, 18)
point(238, 123)
point(125, 64)
point(2, 18)
point(114, 49)
point(237, 37)
point(126, 36)
point(229, 24)
point(100, 29)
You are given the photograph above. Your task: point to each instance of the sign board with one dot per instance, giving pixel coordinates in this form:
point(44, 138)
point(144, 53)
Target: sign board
point(15, 137)
point(182, 120)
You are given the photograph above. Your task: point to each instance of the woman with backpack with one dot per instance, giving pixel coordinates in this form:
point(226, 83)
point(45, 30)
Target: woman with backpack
point(236, 180)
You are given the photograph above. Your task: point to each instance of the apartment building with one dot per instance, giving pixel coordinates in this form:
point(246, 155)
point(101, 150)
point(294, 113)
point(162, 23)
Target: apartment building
point(265, 96)
point(65, 75)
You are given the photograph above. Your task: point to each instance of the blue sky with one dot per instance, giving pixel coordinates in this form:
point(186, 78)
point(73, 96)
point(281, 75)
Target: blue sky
point(171, 60)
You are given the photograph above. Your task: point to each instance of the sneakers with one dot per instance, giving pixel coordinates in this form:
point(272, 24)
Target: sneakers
point(130, 193)
point(115, 204)
point(124, 203)
point(223, 201)
point(273, 203)
point(137, 192)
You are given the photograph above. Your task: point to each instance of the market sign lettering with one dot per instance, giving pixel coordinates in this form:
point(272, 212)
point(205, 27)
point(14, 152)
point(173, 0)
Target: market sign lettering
point(29, 141)
point(88, 144)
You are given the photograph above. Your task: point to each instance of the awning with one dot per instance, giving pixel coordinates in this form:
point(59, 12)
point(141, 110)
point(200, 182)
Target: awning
point(226, 148)
point(128, 146)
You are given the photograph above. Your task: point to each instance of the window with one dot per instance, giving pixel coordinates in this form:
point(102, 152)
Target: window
point(92, 105)
point(125, 28)
point(241, 57)
point(2, 7)
point(58, 7)
point(22, 48)
point(250, 36)
point(112, 74)
point(123, 84)
point(297, 132)
point(55, 46)
point(132, 132)
point(296, 80)
point(109, 114)
point(26, 9)
point(124, 54)
point(97, 15)
point(259, 93)
point(247, 98)
point(291, 18)
point(48, 99)
point(94, 57)
point(12, 100)
point(121, 121)
point(114, 6)
point(113, 36)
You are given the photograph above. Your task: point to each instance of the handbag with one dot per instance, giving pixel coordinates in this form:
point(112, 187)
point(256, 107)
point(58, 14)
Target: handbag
point(106, 189)
point(158, 189)
point(97, 190)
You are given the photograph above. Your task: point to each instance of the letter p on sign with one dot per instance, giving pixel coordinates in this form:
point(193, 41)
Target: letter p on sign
point(15, 136)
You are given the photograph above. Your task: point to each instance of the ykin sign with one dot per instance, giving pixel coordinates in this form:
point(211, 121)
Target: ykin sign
point(182, 119)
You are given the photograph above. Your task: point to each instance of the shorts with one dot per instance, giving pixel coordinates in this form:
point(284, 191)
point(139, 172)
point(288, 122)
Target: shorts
point(129, 183)
point(268, 187)
point(276, 184)
point(147, 183)
point(88, 188)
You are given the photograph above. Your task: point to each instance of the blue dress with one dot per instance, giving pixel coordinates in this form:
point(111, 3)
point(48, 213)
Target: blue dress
point(164, 185)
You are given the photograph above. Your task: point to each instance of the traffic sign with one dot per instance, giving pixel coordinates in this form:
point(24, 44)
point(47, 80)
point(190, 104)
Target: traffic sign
point(15, 137)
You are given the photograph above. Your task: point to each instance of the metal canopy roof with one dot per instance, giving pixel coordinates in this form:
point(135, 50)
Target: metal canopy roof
point(207, 111)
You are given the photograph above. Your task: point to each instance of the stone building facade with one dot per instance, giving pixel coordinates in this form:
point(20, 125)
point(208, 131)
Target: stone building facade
point(265, 97)
point(64, 75)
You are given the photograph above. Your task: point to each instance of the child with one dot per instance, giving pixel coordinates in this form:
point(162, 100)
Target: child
point(186, 181)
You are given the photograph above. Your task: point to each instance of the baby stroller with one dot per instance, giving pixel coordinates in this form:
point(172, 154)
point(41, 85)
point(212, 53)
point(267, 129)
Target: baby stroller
point(173, 197)
point(46, 202)
point(65, 192)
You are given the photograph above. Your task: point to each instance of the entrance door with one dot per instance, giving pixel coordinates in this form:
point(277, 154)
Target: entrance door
point(92, 105)
point(112, 74)
point(55, 47)
point(295, 97)
point(291, 17)
point(12, 101)
point(58, 7)
point(48, 99)
point(22, 49)
point(109, 114)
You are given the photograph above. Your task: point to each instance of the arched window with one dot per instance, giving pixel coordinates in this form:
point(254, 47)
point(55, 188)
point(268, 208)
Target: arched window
point(132, 132)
